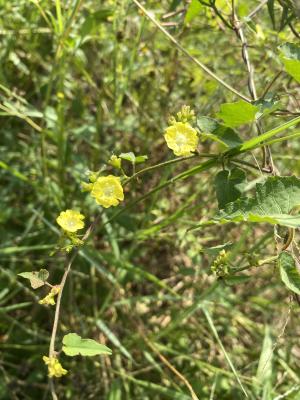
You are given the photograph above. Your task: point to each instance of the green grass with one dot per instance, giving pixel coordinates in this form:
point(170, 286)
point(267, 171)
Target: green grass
point(80, 80)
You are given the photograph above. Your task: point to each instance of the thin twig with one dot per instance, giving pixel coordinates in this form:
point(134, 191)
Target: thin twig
point(245, 54)
point(166, 163)
point(247, 164)
point(184, 51)
point(270, 84)
point(255, 11)
point(251, 84)
point(170, 366)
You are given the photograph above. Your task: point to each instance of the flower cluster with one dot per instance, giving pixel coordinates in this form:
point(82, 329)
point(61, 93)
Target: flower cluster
point(186, 114)
point(55, 368)
point(220, 266)
point(49, 300)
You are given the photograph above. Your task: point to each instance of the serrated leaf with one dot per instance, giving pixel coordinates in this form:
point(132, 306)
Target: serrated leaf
point(290, 57)
point(289, 272)
point(229, 185)
point(212, 129)
point(273, 201)
point(239, 113)
point(193, 10)
point(74, 345)
point(37, 278)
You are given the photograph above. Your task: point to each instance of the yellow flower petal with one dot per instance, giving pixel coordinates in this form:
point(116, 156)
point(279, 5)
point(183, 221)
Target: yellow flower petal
point(182, 138)
point(70, 220)
point(108, 191)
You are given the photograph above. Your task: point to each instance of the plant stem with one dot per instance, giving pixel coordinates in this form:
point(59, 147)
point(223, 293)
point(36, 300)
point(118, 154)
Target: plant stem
point(259, 264)
point(52, 352)
point(166, 163)
point(184, 51)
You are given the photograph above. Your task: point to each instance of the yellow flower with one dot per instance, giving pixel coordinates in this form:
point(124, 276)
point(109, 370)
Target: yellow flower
point(181, 138)
point(54, 367)
point(70, 220)
point(108, 191)
point(49, 299)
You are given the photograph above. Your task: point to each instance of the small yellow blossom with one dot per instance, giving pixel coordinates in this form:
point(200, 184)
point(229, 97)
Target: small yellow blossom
point(50, 298)
point(70, 220)
point(115, 161)
point(108, 191)
point(86, 187)
point(54, 367)
point(182, 138)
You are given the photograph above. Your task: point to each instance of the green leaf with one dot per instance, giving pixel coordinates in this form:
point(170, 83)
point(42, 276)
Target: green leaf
point(74, 345)
point(257, 140)
point(229, 185)
point(37, 278)
point(290, 57)
point(193, 10)
point(289, 272)
point(140, 159)
point(274, 200)
point(267, 105)
point(131, 157)
point(265, 365)
point(128, 157)
point(92, 21)
point(212, 129)
point(239, 113)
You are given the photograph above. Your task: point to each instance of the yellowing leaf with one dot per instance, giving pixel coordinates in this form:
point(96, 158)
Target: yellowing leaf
point(37, 278)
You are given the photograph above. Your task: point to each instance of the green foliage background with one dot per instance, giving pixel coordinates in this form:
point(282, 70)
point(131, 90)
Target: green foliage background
point(80, 80)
